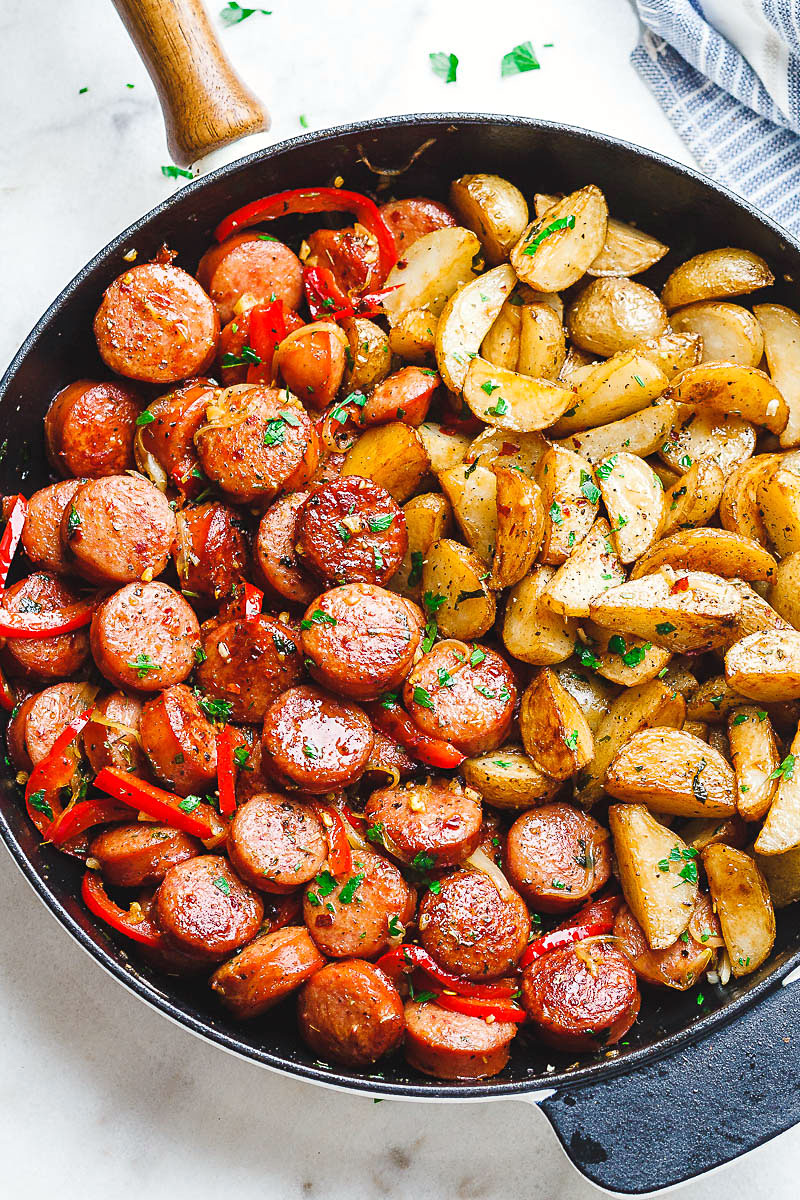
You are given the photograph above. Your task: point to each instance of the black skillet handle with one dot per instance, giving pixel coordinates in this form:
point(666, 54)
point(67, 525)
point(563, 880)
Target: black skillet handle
point(695, 1110)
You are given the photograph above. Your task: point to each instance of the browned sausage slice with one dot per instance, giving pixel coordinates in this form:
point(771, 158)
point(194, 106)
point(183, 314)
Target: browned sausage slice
point(275, 553)
point(211, 556)
point(471, 929)
point(45, 658)
point(117, 529)
point(403, 396)
point(389, 762)
point(451, 1045)
point(41, 534)
point(350, 1013)
point(248, 663)
point(180, 741)
point(581, 997)
point(312, 364)
point(276, 844)
point(252, 265)
point(314, 741)
point(89, 429)
point(156, 324)
point(351, 531)
point(43, 717)
point(164, 443)
point(144, 637)
point(410, 220)
point(462, 693)
point(432, 824)
point(270, 968)
point(141, 855)
point(351, 253)
point(203, 908)
point(116, 744)
point(557, 856)
point(361, 914)
point(682, 964)
point(360, 639)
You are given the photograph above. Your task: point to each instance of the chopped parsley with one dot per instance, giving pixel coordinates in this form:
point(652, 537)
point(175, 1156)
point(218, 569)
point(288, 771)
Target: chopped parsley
point(498, 409)
point(349, 890)
point(234, 14)
point(145, 418)
point(423, 861)
point(490, 387)
point(665, 627)
point(415, 574)
point(275, 432)
point(189, 803)
point(519, 60)
point(318, 617)
point(73, 521)
point(173, 172)
point(589, 488)
point(556, 516)
point(785, 770)
point(548, 231)
point(606, 468)
point(246, 358)
point(37, 801)
point(143, 664)
point(476, 657)
point(422, 697)
point(444, 66)
point(240, 757)
point(215, 710)
point(379, 524)
point(222, 885)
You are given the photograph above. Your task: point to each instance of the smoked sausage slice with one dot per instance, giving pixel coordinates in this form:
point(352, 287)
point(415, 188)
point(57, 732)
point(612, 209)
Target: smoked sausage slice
point(581, 997)
point(118, 747)
point(179, 741)
point(139, 855)
point(354, 915)
point(275, 555)
point(314, 741)
point(471, 929)
point(432, 824)
point(557, 856)
point(271, 967)
point(117, 529)
point(44, 658)
point(351, 531)
point(41, 718)
point(312, 365)
point(451, 1045)
point(164, 444)
point(203, 908)
point(41, 534)
point(464, 694)
point(410, 220)
point(350, 1013)
point(248, 663)
point(144, 637)
point(89, 429)
point(253, 265)
point(211, 556)
point(276, 844)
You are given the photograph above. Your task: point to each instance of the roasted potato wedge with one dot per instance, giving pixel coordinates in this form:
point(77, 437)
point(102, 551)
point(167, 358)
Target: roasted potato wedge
point(472, 492)
point(765, 666)
point(729, 440)
point(466, 319)
point(513, 401)
point(634, 499)
point(593, 694)
point(755, 759)
point(626, 251)
point(781, 829)
point(704, 831)
point(623, 384)
point(508, 448)
point(575, 366)
point(570, 501)
point(681, 617)
point(744, 906)
point(519, 526)
point(672, 352)
point(730, 333)
point(715, 550)
point(392, 455)
point(658, 873)
point(641, 433)
point(542, 348)
point(628, 660)
point(784, 595)
point(453, 571)
point(738, 508)
point(716, 275)
point(507, 778)
point(428, 518)
point(431, 269)
point(554, 731)
point(731, 389)
point(492, 208)
point(782, 873)
point(781, 330)
point(755, 615)
point(671, 771)
point(613, 314)
point(531, 631)
point(370, 358)
point(414, 336)
point(693, 499)
point(555, 250)
point(500, 347)
point(778, 495)
point(592, 567)
point(445, 448)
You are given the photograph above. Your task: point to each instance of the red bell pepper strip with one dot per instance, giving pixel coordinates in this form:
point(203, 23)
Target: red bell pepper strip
point(8, 700)
point(77, 818)
point(316, 200)
point(227, 739)
point(11, 535)
point(389, 718)
point(558, 938)
point(52, 773)
point(482, 1008)
point(340, 858)
point(95, 898)
point(406, 958)
point(267, 327)
point(324, 297)
point(188, 814)
point(35, 626)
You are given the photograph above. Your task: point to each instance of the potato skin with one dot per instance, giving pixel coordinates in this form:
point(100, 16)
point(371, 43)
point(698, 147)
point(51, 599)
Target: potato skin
point(614, 314)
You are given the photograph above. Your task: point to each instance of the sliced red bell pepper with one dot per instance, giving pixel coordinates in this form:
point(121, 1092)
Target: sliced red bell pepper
point(473, 1007)
point(187, 813)
point(340, 858)
point(389, 718)
point(76, 818)
point(35, 626)
point(8, 700)
point(227, 740)
point(406, 958)
point(558, 938)
point(316, 200)
point(11, 535)
point(267, 327)
point(51, 774)
point(95, 898)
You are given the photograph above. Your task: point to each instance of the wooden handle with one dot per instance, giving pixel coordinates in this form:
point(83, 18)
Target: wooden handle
point(205, 104)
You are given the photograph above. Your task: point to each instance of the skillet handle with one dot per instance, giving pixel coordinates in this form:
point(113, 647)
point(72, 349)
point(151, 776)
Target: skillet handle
point(205, 104)
point(701, 1107)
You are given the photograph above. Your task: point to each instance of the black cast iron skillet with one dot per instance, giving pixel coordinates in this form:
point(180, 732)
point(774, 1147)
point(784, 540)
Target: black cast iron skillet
point(694, 1085)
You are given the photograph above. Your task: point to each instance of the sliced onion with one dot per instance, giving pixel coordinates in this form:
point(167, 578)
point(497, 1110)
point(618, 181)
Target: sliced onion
point(110, 723)
point(480, 861)
point(148, 464)
point(357, 842)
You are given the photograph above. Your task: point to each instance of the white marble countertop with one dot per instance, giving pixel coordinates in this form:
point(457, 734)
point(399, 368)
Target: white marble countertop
point(98, 1094)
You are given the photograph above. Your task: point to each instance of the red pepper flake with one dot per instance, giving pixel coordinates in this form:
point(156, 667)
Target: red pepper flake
point(680, 585)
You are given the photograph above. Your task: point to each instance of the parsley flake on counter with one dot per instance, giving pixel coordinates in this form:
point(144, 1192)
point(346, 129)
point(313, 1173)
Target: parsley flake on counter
point(444, 66)
point(519, 60)
point(234, 14)
point(173, 172)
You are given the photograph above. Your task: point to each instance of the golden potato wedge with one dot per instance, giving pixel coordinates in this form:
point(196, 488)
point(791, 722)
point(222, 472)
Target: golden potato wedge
point(614, 314)
point(713, 700)
point(445, 448)
point(500, 347)
point(623, 384)
point(626, 251)
point(715, 275)
point(781, 330)
point(507, 778)
point(508, 448)
point(671, 771)
point(512, 401)
point(431, 269)
point(784, 595)
point(744, 907)
point(466, 319)
point(755, 616)
point(472, 492)
point(452, 571)
point(554, 731)
point(732, 389)
point(680, 617)
point(428, 518)
point(494, 209)
point(592, 694)
point(570, 501)
point(392, 455)
point(738, 508)
point(414, 336)
point(672, 352)
point(781, 829)
point(680, 678)
point(730, 333)
point(542, 348)
point(531, 631)
point(642, 707)
point(592, 567)
point(694, 498)
point(699, 433)
point(628, 660)
point(782, 873)
point(778, 495)
point(634, 499)
point(370, 359)
point(519, 526)
point(704, 831)
point(555, 250)
point(754, 754)
point(715, 550)
point(658, 873)
point(575, 366)
point(765, 666)
point(641, 433)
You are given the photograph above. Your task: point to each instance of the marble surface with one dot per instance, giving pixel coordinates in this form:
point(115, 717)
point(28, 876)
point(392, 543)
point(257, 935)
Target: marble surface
point(98, 1094)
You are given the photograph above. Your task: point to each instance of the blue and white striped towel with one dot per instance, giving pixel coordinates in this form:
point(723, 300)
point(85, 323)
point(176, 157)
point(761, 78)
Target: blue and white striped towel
point(727, 73)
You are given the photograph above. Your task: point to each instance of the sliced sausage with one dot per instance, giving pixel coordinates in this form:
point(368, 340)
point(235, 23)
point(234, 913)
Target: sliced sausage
point(116, 745)
point(15, 734)
point(89, 429)
point(270, 968)
point(45, 658)
point(330, 468)
point(139, 855)
point(402, 396)
point(156, 324)
point(462, 693)
point(312, 366)
point(276, 844)
point(275, 554)
point(43, 717)
point(314, 741)
point(361, 913)
point(360, 639)
point(351, 254)
point(351, 531)
point(471, 929)
point(412, 219)
point(144, 637)
point(248, 663)
point(257, 442)
point(428, 825)
point(451, 1045)
point(251, 264)
point(350, 1013)
point(203, 908)
point(180, 741)
point(41, 534)
point(557, 856)
point(682, 964)
point(211, 556)
point(166, 434)
point(117, 529)
point(581, 997)
point(388, 761)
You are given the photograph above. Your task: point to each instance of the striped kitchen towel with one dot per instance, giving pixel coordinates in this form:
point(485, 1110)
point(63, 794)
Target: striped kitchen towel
point(727, 73)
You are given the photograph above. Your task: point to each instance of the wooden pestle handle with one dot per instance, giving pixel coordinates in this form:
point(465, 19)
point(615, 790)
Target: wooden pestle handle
point(205, 104)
